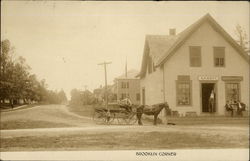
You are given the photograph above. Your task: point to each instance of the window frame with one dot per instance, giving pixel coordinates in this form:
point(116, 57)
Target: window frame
point(124, 84)
point(191, 56)
point(189, 82)
point(239, 89)
point(219, 58)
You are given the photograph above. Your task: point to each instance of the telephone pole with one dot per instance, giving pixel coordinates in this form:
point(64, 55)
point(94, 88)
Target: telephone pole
point(106, 88)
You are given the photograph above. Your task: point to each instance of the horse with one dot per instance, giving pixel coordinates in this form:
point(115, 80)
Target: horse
point(151, 110)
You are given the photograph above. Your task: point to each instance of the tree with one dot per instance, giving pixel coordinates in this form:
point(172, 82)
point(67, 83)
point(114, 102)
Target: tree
point(6, 71)
point(62, 96)
point(81, 97)
point(242, 39)
point(17, 83)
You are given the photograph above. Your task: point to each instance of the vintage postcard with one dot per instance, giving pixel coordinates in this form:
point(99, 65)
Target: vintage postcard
point(106, 80)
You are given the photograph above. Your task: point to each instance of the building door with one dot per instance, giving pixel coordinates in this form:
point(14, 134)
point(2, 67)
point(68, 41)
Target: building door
point(143, 96)
point(208, 104)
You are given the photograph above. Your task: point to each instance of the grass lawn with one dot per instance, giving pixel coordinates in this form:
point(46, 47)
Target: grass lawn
point(82, 110)
point(27, 124)
point(124, 141)
point(25, 106)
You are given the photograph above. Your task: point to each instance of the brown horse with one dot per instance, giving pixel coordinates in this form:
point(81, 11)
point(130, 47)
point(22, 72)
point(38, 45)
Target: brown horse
point(151, 110)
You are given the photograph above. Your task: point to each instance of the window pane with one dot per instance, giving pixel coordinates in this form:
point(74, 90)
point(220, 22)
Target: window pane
point(232, 92)
point(217, 62)
point(219, 56)
point(183, 93)
point(221, 61)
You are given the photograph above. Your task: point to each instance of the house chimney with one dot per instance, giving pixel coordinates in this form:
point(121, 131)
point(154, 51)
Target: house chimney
point(172, 32)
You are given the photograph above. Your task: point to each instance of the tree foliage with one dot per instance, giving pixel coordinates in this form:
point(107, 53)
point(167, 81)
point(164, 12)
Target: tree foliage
point(82, 97)
point(242, 38)
point(16, 82)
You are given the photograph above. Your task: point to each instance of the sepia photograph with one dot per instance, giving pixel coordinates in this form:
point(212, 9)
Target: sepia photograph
point(120, 80)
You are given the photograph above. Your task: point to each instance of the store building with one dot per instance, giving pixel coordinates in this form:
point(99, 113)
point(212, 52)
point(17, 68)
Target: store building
point(183, 69)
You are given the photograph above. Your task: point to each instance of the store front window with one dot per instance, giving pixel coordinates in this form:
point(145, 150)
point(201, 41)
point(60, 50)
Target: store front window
point(232, 92)
point(183, 90)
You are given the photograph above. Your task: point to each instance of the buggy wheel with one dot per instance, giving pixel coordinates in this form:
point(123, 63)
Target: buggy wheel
point(130, 119)
point(109, 118)
point(99, 117)
point(120, 121)
point(133, 119)
point(122, 117)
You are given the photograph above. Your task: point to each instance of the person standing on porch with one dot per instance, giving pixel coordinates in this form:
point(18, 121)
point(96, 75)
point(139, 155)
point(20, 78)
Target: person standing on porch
point(211, 102)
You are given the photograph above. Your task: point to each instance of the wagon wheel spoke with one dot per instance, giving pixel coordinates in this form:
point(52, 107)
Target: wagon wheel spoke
point(99, 117)
point(130, 119)
point(110, 119)
point(133, 118)
point(120, 117)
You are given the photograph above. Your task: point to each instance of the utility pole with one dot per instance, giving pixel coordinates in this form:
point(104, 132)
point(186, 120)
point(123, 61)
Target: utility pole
point(106, 88)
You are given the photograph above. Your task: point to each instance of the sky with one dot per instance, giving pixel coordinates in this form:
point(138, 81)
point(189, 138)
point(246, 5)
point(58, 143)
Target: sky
point(63, 41)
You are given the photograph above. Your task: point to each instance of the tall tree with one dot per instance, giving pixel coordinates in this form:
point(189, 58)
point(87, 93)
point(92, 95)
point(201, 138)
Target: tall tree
point(17, 83)
point(242, 38)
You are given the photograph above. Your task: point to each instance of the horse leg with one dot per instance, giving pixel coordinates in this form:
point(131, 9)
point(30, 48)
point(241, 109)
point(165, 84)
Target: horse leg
point(139, 118)
point(155, 119)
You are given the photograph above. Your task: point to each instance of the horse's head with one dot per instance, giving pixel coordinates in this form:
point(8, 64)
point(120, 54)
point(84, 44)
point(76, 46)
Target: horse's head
point(164, 105)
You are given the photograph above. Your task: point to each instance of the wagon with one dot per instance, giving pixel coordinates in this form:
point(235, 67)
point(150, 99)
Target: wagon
point(115, 114)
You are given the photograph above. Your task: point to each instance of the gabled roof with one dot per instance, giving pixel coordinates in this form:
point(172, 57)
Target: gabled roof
point(131, 74)
point(158, 45)
point(177, 41)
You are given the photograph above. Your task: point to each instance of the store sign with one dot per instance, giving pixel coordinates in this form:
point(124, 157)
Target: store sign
point(208, 77)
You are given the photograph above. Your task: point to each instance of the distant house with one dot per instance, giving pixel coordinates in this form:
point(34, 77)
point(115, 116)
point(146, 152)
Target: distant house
point(183, 69)
point(99, 94)
point(128, 86)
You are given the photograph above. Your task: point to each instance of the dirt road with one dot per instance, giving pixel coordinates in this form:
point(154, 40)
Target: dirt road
point(64, 130)
point(41, 117)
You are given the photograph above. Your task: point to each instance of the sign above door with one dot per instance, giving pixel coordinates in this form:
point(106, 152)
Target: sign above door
point(208, 77)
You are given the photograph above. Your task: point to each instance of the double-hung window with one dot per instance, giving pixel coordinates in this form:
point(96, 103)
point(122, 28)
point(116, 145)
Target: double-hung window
point(219, 56)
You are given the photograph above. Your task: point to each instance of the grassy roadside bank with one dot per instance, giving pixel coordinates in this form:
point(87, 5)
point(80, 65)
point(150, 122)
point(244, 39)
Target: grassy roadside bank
point(82, 110)
point(126, 141)
point(17, 107)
